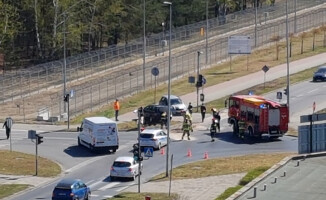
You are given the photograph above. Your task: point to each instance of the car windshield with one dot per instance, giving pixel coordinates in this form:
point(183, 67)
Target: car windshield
point(175, 101)
point(144, 135)
point(121, 164)
point(321, 70)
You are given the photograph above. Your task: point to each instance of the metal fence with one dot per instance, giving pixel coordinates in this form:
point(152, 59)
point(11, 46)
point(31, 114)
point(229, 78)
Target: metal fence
point(116, 72)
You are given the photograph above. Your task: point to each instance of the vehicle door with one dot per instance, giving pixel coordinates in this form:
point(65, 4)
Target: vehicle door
point(77, 191)
point(163, 138)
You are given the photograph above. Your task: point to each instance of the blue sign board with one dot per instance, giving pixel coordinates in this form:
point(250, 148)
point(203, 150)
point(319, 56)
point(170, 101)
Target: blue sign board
point(148, 151)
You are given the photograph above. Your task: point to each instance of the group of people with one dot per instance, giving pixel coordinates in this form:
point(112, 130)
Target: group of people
point(187, 122)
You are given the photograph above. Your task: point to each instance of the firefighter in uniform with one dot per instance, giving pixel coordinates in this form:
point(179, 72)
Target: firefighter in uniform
point(188, 117)
point(242, 128)
point(186, 127)
point(164, 119)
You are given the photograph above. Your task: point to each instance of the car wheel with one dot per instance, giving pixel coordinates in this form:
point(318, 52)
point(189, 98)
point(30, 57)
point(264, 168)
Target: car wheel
point(87, 197)
point(313, 80)
point(114, 150)
point(112, 178)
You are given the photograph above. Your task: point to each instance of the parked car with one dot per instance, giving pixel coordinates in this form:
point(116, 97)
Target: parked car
point(152, 114)
point(155, 138)
point(71, 189)
point(320, 74)
point(125, 167)
point(178, 108)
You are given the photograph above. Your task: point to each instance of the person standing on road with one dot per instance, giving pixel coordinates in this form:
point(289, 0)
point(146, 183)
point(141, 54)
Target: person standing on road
point(116, 107)
point(203, 112)
point(217, 116)
point(7, 129)
point(186, 127)
point(190, 108)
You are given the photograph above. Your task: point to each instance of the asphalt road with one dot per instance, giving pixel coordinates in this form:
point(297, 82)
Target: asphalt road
point(93, 168)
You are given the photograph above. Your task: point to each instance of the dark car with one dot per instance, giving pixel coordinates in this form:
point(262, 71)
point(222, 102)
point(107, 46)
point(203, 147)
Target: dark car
point(152, 114)
point(71, 189)
point(320, 74)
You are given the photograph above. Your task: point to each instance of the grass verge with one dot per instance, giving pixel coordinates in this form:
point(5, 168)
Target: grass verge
point(9, 189)
point(141, 196)
point(17, 163)
point(222, 166)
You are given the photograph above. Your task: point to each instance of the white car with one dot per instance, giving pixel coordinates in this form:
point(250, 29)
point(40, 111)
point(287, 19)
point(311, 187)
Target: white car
point(125, 167)
point(178, 108)
point(155, 138)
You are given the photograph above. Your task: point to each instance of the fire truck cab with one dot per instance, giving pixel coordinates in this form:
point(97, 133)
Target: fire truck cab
point(260, 115)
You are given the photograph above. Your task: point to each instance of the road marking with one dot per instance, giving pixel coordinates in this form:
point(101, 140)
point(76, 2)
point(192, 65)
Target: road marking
point(110, 185)
point(84, 164)
point(107, 196)
point(312, 91)
point(94, 184)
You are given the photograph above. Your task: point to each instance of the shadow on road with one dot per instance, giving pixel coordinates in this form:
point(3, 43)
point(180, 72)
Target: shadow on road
point(230, 137)
point(77, 151)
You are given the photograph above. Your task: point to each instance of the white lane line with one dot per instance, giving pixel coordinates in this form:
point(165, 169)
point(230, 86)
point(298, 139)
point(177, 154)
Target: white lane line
point(84, 164)
point(110, 185)
point(312, 90)
point(107, 196)
point(92, 186)
point(89, 161)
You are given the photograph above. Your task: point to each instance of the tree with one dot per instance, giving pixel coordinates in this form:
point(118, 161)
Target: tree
point(314, 32)
point(302, 36)
point(323, 28)
point(275, 39)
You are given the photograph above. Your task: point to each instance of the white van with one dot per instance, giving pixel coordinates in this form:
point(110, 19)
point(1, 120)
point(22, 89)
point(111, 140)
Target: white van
point(98, 133)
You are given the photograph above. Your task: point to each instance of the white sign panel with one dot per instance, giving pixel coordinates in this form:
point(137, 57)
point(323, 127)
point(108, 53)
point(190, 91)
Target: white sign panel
point(239, 45)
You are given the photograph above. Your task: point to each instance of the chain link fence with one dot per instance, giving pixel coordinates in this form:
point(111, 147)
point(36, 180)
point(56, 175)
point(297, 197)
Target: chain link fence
point(99, 77)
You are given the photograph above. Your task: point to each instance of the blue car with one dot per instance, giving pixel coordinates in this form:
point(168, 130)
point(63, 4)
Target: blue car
point(71, 189)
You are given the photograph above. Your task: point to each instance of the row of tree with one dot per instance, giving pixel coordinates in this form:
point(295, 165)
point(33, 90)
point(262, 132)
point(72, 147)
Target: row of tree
point(35, 30)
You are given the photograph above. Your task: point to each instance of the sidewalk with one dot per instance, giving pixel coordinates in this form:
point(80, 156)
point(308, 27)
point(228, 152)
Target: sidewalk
point(211, 187)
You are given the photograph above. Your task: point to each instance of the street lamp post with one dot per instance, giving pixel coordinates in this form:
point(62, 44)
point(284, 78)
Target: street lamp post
point(256, 7)
point(198, 69)
point(64, 60)
point(169, 92)
point(163, 41)
point(144, 43)
point(206, 33)
point(295, 16)
point(287, 58)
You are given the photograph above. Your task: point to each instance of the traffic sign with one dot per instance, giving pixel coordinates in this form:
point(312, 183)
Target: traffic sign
point(265, 68)
point(148, 151)
point(155, 71)
point(279, 95)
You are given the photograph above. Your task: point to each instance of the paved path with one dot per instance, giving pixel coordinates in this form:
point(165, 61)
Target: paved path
point(209, 187)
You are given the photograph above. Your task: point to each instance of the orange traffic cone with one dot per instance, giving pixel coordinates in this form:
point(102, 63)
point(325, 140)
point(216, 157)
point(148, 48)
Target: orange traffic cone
point(162, 151)
point(206, 155)
point(189, 154)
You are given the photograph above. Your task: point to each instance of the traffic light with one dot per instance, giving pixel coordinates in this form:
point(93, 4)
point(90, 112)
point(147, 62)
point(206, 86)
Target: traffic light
point(137, 153)
point(286, 91)
point(39, 139)
point(66, 98)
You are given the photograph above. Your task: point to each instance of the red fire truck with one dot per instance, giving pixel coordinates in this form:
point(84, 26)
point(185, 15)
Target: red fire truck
point(260, 115)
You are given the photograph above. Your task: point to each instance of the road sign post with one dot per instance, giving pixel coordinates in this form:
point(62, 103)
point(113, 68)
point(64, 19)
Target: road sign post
point(265, 69)
point(155, 72)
